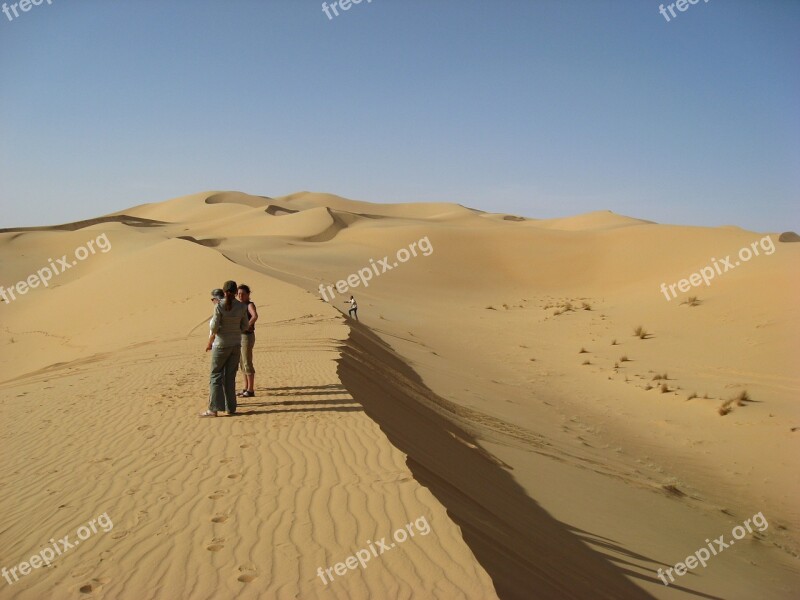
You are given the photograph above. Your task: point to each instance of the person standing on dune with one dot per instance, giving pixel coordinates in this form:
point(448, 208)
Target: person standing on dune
point(248, 341)
point(353, 307)
point(229, 322)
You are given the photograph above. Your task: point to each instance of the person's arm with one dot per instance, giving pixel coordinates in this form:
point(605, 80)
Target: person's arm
point(253, 315)
point(214, 327)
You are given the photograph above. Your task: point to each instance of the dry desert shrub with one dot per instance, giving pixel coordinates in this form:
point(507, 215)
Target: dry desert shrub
point(692, 301)
point(726, 407)
point(672, 490)
point(641, 333)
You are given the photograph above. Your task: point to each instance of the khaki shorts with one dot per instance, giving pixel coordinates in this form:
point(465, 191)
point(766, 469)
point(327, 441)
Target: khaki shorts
point(246, 362)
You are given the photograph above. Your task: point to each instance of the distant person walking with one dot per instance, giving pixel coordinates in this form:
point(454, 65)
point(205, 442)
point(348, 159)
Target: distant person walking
point(353, 307)
point(248, 341)
point(224, 342)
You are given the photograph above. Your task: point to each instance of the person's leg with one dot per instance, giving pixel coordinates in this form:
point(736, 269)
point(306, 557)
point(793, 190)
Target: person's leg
point(216, 386)
point(250, 371)
point(246, 364)
point(231, 366)
point(243, 364)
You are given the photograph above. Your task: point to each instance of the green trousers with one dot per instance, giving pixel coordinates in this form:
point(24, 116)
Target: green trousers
point(224, 364)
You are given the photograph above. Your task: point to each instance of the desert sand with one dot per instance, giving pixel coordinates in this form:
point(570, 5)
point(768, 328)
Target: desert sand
point(492, 386)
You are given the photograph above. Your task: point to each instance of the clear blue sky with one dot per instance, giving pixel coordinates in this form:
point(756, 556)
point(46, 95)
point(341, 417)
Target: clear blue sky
point(534, 107)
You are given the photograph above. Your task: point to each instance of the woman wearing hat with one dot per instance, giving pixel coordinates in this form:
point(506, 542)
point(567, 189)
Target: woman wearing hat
point(229, 322)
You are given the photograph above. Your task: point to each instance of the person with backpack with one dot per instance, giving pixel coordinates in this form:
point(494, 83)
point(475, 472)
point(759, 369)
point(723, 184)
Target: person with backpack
point(248, 341)
point(229, 322)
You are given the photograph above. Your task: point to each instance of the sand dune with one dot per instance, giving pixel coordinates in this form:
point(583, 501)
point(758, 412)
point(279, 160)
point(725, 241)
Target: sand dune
point(493, 386)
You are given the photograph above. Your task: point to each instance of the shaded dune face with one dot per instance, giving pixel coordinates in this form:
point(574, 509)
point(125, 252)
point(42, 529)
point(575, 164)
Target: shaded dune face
point(77, 225)
point(278, 211)
point(789, 236)
point(238, 198)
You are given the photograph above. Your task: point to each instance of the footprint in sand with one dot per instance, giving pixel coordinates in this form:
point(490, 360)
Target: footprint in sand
point(94, 585)
point(226, 460)
point(235, 476)
point(218, 494)
point(247, 574)
point(244, 446)
point(219, 519)
point(216, 545)
point(118, 535)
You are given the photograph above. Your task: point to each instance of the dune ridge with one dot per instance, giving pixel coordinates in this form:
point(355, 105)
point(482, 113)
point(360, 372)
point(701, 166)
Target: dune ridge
point(494, 386)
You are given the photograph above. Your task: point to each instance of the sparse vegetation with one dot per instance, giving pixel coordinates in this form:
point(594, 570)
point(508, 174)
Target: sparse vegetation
point(673, 490)
point(741, 400)
point(613, 342)
point(587, 362)
point(724, 409)
point(692, 301)
point(583, 351)
point(691, 396)
point(660, 377)
point(664, 388)
point(648, 387)
point(624, 358)
point(586, 306)
point(641, 333)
